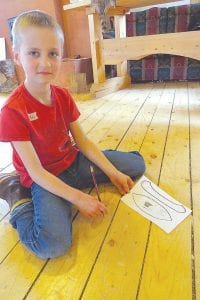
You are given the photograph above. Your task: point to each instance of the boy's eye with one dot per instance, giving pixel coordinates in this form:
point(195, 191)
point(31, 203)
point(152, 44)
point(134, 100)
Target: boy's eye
point(53, 54)
point(34, 53)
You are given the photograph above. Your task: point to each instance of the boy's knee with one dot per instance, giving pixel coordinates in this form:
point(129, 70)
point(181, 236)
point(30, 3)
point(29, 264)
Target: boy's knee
point(141, 166)
point(53, 250)
point(48, 246)
point(136, 165)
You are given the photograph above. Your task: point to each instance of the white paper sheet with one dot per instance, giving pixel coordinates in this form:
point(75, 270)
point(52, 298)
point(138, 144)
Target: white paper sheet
point(154, 204)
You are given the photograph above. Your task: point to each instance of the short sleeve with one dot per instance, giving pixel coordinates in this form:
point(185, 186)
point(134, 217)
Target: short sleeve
point(74, 112)
point(69, 107)
point(13, 126)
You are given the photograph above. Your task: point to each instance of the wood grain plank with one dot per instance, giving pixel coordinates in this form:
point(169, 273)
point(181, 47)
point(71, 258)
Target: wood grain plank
point(4, 208)
point(167, 268)
point(124, 246)
point(194, 106)
point(111, 250)
point(17, 272)
point(97, 115)
point(8, 236)
point(107, 134)
point(5, 154)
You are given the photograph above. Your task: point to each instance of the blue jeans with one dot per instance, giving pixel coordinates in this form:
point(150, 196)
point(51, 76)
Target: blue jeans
point(45, 223)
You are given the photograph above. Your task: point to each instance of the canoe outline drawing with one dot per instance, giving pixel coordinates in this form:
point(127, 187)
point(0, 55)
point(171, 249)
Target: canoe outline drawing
point(147, 187)
point(169, 217)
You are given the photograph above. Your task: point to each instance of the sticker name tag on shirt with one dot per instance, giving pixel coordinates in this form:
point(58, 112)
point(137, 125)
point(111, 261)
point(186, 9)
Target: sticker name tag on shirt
point(33, 116)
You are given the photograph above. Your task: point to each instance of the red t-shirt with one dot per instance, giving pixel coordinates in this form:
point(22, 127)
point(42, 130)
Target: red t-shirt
point(23, 118)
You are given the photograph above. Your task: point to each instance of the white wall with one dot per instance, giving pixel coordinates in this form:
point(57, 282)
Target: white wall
point(2, 49)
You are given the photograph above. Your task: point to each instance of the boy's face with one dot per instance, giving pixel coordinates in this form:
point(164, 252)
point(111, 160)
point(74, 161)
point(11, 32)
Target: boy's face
point(39, 54)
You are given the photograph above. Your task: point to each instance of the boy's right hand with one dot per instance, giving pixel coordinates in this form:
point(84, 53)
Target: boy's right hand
point(90, 206)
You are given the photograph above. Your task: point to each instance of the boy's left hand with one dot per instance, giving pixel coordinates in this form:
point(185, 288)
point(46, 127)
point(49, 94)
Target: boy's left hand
point(123, 182)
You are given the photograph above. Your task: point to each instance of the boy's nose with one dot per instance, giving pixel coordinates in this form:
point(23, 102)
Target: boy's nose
point(45, 61)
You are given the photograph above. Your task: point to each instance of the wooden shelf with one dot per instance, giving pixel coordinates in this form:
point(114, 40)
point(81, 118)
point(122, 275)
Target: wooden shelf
point(79, 4)
point(141, 3)
point(119, 3)
point(120, 49)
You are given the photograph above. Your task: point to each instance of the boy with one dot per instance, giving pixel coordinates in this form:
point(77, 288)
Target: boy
point(37, 119)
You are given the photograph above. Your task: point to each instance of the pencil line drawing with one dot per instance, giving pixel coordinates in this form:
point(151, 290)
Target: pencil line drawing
point(156, 205)
point(151, 207)
point(147, 187)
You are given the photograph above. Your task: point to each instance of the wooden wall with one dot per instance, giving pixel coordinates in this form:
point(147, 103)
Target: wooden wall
point(11, 8)
point(74, 23)
point(77, 31)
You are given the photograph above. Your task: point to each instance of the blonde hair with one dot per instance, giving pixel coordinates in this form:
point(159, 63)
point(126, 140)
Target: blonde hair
point(34, 18)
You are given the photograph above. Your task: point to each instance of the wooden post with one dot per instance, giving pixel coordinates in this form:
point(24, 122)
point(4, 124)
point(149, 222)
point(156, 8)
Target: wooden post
point(95, 37)
point(101, 86)
point(120, 32)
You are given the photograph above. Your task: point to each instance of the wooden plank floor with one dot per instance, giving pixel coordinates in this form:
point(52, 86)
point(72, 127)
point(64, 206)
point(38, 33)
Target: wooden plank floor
point(123, 255)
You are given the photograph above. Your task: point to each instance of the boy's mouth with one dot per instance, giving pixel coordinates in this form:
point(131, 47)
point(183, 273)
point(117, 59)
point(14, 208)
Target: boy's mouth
point(44, 73)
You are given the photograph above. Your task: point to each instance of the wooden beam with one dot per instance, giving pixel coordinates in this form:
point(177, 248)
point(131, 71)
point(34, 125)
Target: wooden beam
point(109, 86)
point(120, 32)
point(95, 37)
point(109, 11)
point(141, 3)
point(78, 4)
point(121, 5)
point(118, 50)
point(116, 11)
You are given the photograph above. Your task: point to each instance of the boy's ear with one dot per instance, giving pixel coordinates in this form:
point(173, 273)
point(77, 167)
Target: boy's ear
point(16, 57)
